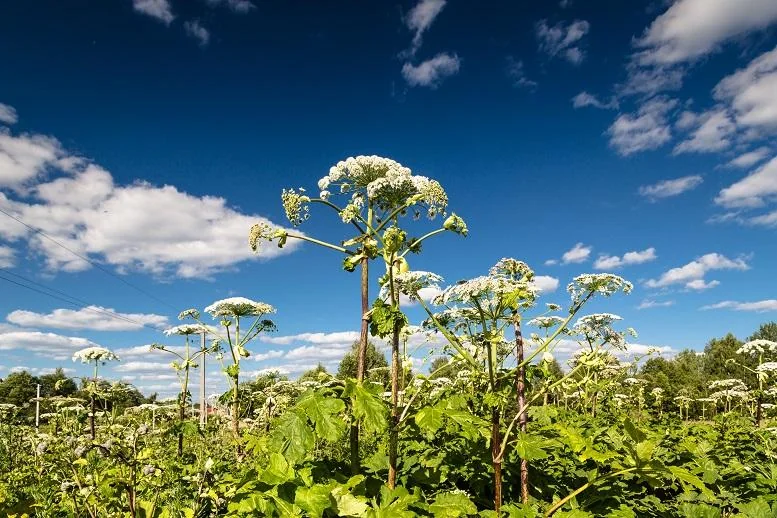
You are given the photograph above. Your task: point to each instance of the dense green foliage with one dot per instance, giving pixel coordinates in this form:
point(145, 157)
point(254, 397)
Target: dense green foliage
point(629, 459)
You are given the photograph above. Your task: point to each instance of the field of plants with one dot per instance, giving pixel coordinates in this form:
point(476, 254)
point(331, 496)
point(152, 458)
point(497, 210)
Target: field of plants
point(498, 426)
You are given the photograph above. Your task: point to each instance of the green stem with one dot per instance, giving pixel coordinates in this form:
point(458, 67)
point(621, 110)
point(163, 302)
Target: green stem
point(558, 505)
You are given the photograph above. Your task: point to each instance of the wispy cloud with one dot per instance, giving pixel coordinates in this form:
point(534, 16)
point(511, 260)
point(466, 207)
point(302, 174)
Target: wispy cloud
point(670, 188)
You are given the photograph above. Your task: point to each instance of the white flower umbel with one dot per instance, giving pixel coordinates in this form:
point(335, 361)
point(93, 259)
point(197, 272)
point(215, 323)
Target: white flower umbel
point(238, 307)
point(758, 347)
point(597, 283)
point(411, 283)
point(94, 354)
point(189, 329)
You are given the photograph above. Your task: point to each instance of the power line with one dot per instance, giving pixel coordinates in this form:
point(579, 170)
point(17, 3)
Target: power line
point(88, 260)
point(69, 299)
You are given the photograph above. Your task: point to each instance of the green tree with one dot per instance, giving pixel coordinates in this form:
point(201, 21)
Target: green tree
point(19, 389)
point(716, 355)
point(375, 362)
point(48, 384)
point(767, 331)
point(314, 374)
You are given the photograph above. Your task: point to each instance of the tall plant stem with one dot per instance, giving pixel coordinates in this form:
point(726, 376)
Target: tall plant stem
point(495, 460)
point(520, 386)
point(394, 428)
point(361, 359)
point(558, 505)
point(91, 403)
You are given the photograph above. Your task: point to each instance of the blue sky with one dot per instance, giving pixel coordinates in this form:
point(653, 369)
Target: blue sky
point(148, 135)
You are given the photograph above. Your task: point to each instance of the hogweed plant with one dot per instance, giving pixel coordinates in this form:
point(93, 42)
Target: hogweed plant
point(475, 318)
point(186, 361)
point(232, 312)
point(95, 356)
point(763, 352)
point(372, 195)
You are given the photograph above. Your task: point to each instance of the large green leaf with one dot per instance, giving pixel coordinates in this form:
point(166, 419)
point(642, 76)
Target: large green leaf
point(529, 448)
point(292, 436)
point(277, 471)
point(368, 407)
point(452, 505)
point(429, 419)
point(324, 413)
point(314, 500)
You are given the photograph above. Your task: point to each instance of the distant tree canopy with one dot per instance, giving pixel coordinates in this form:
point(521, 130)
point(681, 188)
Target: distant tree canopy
point(376, 364)
point(767, 331)
point(314, 374)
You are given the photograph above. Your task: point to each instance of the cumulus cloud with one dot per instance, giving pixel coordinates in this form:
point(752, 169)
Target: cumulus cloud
point(610, 262)
point(50, 345)
point(546, 283)
point(8, 114)
point(692, 29)
point(563, 40)
point(159, 9)
point(750, 158)
point(577, 254)
point(94, 318)
point(752, 191)
point(750, 91)
point(669, 188)
point(644, 130)
point(197, 31)
point(432, 72)
point(713, 131)
point(338, 337)
point(690, 274)
point(760, 306)
point(82, 208)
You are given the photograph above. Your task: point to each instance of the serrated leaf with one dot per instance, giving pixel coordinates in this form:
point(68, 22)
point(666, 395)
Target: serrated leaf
point(452, 505)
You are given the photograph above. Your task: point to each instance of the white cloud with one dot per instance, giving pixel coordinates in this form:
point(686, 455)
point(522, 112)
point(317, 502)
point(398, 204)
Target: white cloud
point(185, 236)
point(143, 366)
point(8, 114)
point(644, 130)
point(433, 71)
point(577, 254)
point(338, 337)
point(701, 285)
point(237, 6)
point(650, 81)
point(159, 9)
point(95, 318)
point(713, 132)
point(649, 303)
point(26, 157)
point(551, 262)
point(43, 344)
point(761, 306)
point(197, 31)
point(515, 71)
point(268, 355)
point(7, 256)
point(750, 91)
point(41, 371)
point(766, 220)
point(546, 283)
point(752, 191)
point(608, 262)
point(694, 271)
point(563, 39)
point(584, 99)
point(669, 188)
point(691, 29)
point(420, 18)
point(750, 158)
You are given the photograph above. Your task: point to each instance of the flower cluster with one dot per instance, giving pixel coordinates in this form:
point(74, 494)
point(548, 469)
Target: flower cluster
point(758, 347)
point(238, 307)
point(94, 354)
point(546, 322)
point(296, 205)
point(188, 329)
point(602, 283)
point(411, 283)
point(732, 384)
